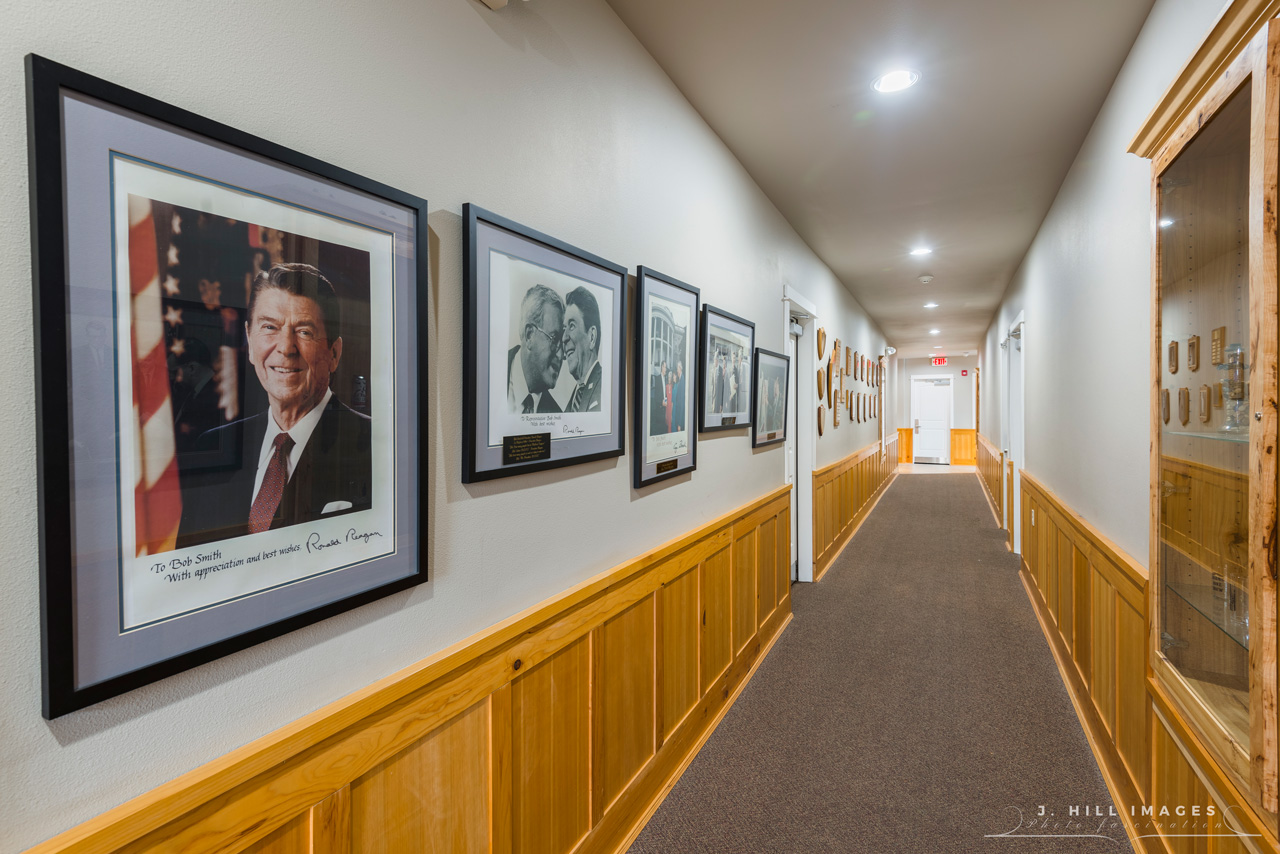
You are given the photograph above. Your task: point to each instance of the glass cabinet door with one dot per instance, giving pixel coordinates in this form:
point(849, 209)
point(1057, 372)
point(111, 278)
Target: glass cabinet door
point(1203, 560)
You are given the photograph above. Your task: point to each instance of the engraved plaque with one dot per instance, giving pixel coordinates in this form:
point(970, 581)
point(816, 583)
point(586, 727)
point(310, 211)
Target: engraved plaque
point(822, 342)
point(664, 467)
point(1173, 358)
point(1164, 405)
point(1184, 405)
point(1205, 397)
point(526, 448)
point(1217, 345)
point(1193, 353)
point(821, 413)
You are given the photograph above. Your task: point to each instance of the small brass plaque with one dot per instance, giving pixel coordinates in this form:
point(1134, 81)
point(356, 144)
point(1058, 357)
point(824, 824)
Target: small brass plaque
point(526, 449)
point(729, 421)
point(1204, 403)
point(1164, 405)
point(1173, 357)
point(769, 436)
point(1217, 396)
point(664, 467)
point(1217, 345)
point(1193, 353)
point(1184, 405)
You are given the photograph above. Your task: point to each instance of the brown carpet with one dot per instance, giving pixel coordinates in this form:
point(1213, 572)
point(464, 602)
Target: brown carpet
point(913, 705)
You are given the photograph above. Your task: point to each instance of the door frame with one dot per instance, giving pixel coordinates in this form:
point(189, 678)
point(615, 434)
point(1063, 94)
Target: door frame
point(806, 427)
point(951, 417)
point(1015, 423)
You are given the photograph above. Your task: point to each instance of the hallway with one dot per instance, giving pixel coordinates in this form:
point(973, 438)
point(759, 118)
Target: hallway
point(912, 705)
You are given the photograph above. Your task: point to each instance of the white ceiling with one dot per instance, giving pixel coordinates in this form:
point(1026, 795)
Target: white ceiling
point(967, 161)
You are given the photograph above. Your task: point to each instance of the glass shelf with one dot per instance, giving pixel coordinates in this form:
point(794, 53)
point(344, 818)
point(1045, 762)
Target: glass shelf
point(1213, 607)
point(1241, 438)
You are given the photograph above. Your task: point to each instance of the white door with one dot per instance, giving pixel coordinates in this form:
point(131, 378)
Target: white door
point(931, 419)
point(1016, 437)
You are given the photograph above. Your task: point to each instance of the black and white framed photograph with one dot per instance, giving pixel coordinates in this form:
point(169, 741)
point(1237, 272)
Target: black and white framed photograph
point(772, 375)
point(544, 351)
point(725, 351)
point(665, 379)
point(231, 386)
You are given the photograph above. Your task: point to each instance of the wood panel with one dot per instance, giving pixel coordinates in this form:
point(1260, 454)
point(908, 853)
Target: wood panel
point(550, 765)
point(680, 624)
point(404, 804)
point(991, 471)
point(964, 447)
point(558, 729)
point(905, 449)
point(843, 494)
point(624, 701)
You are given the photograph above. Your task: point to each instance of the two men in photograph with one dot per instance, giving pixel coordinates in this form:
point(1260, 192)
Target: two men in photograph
point(555, 332)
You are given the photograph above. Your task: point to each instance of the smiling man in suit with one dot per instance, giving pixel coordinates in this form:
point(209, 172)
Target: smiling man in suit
point(533, 365)
point(308, 456)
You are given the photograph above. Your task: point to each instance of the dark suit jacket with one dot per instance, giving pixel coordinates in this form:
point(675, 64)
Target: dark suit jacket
point(336, 465)
point(677, 411)
point(546, 403)
point(590, 400)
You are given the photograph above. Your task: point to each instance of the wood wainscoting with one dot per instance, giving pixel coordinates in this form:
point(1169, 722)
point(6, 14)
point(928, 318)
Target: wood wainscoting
point(906, 453)
point(559, 729)
point(1091, 600)
point(964, 447)
point(991, 473)
point(843, 494)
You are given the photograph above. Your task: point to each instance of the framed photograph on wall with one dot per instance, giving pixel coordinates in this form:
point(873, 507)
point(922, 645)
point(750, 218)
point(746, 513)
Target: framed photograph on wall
point(544, 351)
point(665, 379)
point(231, 386)
point(726, 348)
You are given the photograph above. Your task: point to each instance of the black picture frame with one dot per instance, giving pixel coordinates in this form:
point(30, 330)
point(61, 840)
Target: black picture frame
point(720, 388)
point(665, 437)
point(111, 170)
point(769, 422)
point(584, 417)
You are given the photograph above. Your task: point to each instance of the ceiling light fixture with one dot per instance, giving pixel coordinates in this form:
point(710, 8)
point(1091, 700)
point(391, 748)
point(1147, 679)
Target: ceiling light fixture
point(934, 331)
point(922, 250)
point(931, 305)
point(896, 80)
point(1165, 223)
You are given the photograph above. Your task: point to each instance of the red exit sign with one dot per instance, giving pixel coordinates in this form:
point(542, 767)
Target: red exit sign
point(939, 361)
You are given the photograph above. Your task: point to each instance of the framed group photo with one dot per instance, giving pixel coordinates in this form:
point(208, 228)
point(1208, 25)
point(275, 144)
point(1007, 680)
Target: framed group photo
point(230, 382)
point(665, 379)
point(544, 351)
point(726, 348)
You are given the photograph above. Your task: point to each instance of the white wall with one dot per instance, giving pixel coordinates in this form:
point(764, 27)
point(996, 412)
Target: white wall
point(549, 113)
point(861, 335)
point(1085, 286)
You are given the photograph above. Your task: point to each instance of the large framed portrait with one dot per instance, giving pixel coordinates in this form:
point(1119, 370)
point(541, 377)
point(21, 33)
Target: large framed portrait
point(544, 351)
point(665, 379)
point(725, 350)
point(230, 384)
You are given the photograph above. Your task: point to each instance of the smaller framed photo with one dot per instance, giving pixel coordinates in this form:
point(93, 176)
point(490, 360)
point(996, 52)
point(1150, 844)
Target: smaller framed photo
point(544, 351)
point(666, 375)
point(725, 383)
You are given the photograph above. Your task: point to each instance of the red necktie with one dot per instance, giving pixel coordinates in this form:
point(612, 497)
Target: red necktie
point(264, 506)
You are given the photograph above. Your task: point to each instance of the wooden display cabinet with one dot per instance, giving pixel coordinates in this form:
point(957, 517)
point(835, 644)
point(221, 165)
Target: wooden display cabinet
point(1213, 465)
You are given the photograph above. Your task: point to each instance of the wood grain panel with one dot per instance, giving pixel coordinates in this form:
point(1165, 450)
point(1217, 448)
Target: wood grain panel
point(1132, 706)
point(866, 476)
point(905, 438)
point(1082, 650)
point(1103, 645)
point(550, 746)
point(717, 640)
point(991, 471)
point(964, 447)
point(293, 838)
point(331, 824)
point(744, 587)
point(782, 562)
point(766, 569)
point(432, 797)
point(623, 701)
point(1066, 588)
point(680, 646)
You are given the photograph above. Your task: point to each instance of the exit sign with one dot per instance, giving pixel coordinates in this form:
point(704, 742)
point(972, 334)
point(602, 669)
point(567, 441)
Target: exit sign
point(939, 361)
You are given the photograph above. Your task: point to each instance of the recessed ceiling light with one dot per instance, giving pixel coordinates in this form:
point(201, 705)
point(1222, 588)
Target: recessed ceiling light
point(922, 250)
point(1165, 223)
point(939, 347)
point(931, 305)
point(896, 80)
point(934, 331)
